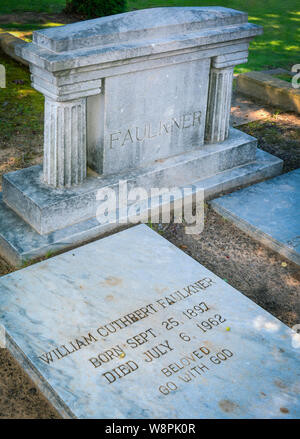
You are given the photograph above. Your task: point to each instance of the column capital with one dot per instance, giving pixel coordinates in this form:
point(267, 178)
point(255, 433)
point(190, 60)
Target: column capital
point(230, 59)
point(63, 89)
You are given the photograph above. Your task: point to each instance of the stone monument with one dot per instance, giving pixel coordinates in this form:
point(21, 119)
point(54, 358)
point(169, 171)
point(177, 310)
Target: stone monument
point(143, 97)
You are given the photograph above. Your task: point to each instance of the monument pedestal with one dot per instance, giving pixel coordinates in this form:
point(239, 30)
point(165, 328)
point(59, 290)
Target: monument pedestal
point(36, 219)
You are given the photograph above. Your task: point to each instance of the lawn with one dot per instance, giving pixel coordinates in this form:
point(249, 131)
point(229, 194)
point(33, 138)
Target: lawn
point(279, 46)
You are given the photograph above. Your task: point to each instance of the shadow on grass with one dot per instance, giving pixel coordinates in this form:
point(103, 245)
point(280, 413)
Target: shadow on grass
point(28, 26)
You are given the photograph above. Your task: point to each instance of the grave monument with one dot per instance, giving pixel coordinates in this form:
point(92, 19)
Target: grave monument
point(143, 97)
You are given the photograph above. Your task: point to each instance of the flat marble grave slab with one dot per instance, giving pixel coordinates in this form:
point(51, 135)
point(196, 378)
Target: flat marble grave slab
point(268, 211)
point(132, 327)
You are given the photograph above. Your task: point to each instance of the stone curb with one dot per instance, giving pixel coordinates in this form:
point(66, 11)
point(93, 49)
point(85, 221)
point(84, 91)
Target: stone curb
point(269, 89)
point(8, 43)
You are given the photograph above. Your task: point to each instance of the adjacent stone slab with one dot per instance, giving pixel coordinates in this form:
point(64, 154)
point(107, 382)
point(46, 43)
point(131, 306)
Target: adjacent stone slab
point(268, 88)
point(115, 330)
point(268, 211)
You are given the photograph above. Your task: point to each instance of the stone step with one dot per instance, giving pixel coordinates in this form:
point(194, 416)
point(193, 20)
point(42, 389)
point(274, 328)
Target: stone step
point(49, 209)
point(19, 242)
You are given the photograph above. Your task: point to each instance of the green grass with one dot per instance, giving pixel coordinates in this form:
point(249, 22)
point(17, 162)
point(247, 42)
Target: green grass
point(279, 46)
point(284, 77)
point(50, 6)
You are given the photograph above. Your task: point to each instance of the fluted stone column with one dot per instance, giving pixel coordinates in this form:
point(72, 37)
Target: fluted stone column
point(65, 142)
point(219, 104)
point(65, 125)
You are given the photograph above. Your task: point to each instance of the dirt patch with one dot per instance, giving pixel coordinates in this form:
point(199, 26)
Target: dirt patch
point(280, 136)
point(277, 131)
point(19, 397)
point(5, 268)
point(227, 406)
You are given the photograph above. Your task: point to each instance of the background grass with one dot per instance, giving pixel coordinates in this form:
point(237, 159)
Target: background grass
point(279, 46)
point(50, 6)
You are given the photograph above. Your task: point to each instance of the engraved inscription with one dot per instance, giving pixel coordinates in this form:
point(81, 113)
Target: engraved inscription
point(177, 346)
point(148, 131)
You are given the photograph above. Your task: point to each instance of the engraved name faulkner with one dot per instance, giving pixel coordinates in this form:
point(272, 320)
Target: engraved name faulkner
point(185, 369)
point(149, 131)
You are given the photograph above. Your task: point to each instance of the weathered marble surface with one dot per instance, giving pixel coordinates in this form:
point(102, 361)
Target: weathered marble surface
point(70, 297)
point(268, 211)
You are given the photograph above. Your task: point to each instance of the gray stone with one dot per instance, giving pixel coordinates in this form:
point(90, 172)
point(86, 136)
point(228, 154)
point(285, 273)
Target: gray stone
point(147, 116)
point(268, 211)
point(219, 104)
point(177, 347)
point(135, 34)
point(65, 143)
point(269, 89)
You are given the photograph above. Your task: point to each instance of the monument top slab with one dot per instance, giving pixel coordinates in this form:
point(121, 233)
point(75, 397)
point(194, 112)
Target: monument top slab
point(143, 24)
point(134, 35)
